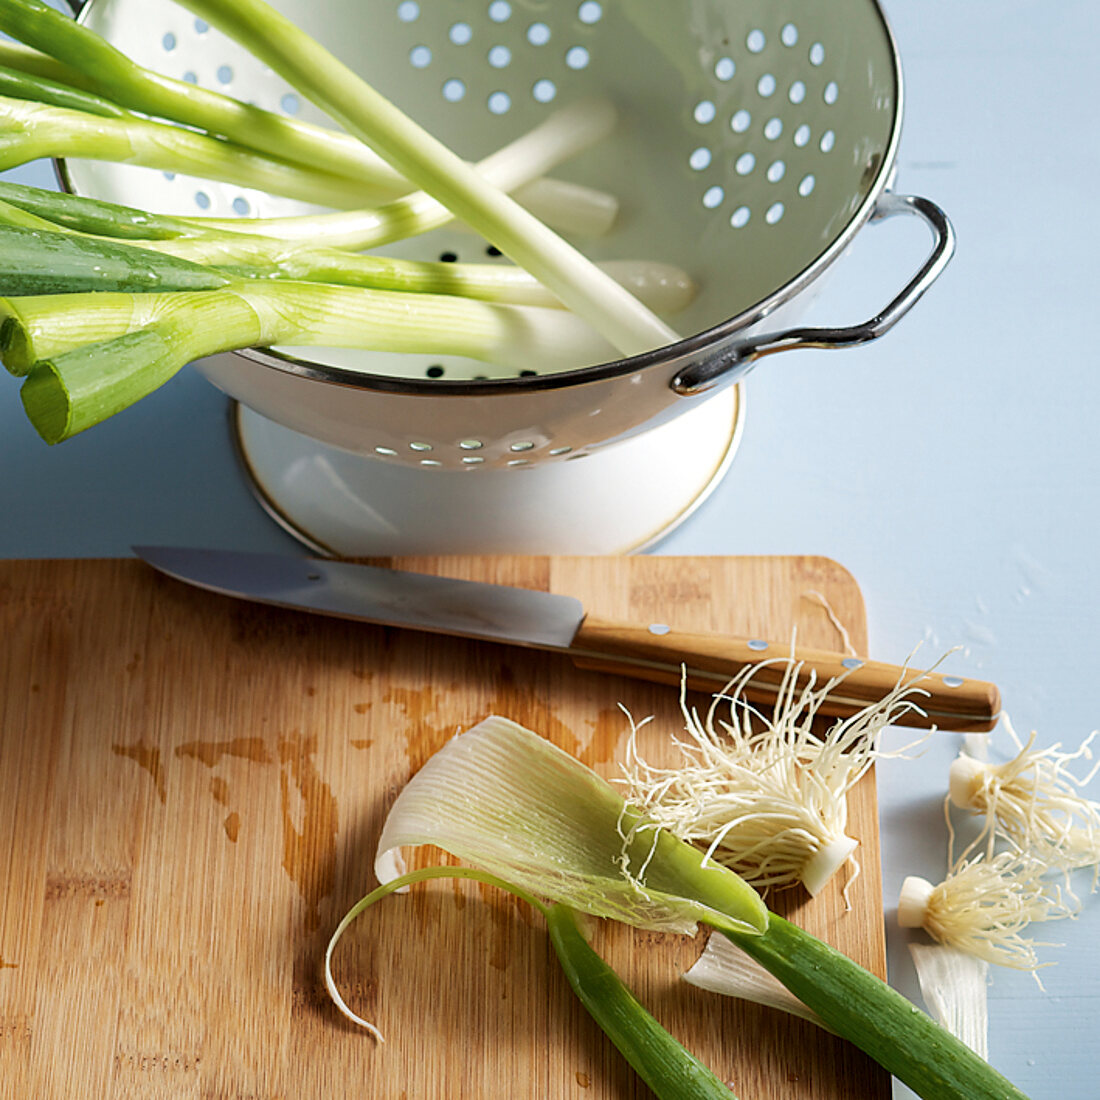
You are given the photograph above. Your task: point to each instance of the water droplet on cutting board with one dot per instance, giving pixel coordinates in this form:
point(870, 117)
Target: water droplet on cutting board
point(219, 790)
point(210, 753)
point(147, 757)
point(310, 823)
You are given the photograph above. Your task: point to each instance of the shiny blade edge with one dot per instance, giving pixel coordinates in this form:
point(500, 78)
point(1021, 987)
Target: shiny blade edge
point(376, 594)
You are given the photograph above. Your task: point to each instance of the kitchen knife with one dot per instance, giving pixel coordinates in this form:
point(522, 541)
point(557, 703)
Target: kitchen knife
point(542, 620)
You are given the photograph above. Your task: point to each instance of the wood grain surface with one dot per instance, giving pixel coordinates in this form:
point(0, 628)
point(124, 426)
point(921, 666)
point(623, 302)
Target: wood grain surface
point(191, 788)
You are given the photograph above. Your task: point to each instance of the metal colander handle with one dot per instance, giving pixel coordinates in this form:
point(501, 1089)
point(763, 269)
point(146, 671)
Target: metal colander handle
point(737, 359)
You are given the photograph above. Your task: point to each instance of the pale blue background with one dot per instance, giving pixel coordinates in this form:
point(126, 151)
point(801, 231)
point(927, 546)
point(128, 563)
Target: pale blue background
point(952, 467)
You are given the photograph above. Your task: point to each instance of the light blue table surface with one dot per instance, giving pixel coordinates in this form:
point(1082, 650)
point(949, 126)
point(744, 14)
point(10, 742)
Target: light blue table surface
point(952, 466)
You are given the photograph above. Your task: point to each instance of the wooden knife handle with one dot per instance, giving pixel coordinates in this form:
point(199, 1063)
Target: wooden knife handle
point(659, 653)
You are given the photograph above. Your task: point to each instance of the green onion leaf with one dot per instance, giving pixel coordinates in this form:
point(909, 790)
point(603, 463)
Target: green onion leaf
point(880, 1021)
point(29, 131)
point(87, 215)
point(670, 1070)
point(87, 62)
point(509, 801)
point(667, 1067)
point(516, 167)
point(84, 354)
point(34, 261)
point(110, 73)
point(23, 59)
point(79, 388)
point(22, 85)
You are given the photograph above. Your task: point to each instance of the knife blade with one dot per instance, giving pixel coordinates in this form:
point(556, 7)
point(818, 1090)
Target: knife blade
point(548, 621)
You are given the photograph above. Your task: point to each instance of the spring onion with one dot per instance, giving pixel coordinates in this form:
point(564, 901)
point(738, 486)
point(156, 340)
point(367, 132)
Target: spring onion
point(60, 210)
point(766, 794)
point(82, 353)
point(542, 821)
point(77, 381)
point(30, 62)
point(519, 166)
point(16, 216)
point(31, 131)
point(429, 164)
point(35, 261)
point(39, 89)
point(504, 799)
point(669, 1069)
point(208, 286)
point(118, 79)
point(666, 1066)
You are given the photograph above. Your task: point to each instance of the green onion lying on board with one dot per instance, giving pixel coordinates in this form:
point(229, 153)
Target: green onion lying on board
point(667, 1067)
point(536, 818)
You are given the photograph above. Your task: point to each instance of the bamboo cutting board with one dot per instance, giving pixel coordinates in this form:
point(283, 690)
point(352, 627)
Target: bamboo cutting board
point(191, 789)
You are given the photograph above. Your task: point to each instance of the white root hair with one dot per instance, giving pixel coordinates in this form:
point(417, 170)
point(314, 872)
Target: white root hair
point(764, 795)
point(1033, 801)
point(983, 906)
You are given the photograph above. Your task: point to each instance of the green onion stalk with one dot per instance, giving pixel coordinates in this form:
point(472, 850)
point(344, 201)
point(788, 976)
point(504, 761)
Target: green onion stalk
point(32, 131)
point(88, 356)
point(18, 218)
point(58, 210)
point(666, 1066)
point(40, 89)
point(35, 261)
point(82, 352)
point(430, 165)
point(30, 62)
point(663, 1063)
point(519, 166)
point(540, 820)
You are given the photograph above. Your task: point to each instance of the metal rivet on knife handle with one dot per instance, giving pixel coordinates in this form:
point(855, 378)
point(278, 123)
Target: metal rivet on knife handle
point(711, 661)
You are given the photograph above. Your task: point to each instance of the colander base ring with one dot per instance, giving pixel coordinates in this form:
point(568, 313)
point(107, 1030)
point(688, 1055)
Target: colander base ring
point(622, 499)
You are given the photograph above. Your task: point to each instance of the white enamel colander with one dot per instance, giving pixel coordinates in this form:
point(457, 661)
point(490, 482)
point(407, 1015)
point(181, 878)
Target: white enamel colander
point(756, 138)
